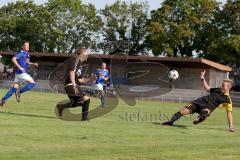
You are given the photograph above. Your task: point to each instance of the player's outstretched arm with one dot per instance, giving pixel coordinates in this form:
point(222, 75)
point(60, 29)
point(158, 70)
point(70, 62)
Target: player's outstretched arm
point(31, 63)
point(86, 80)
point(91, 79)
point(205, 84)
point(230, 121)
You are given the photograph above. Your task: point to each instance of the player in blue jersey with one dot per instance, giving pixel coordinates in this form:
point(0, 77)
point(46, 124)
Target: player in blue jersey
point(102, 76)
point(21, 60)
point(103, 70)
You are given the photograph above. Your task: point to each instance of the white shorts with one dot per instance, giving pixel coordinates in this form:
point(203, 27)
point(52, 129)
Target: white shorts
point(98, 87)
point(22, 77)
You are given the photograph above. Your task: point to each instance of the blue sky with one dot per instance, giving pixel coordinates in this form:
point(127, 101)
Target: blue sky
point(153, 4)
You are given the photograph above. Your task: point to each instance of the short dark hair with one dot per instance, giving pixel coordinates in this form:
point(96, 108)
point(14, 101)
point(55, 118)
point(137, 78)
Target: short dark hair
point(23, 42)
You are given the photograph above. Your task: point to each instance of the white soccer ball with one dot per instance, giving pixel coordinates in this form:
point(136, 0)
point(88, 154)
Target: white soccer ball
point(173, 74)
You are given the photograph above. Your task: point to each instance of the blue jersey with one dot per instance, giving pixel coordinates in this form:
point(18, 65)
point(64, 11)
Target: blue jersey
point(22, 58)
point(104, 72)
point(100, 80)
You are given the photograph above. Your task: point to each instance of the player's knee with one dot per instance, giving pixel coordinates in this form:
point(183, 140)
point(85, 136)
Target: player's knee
point(32, 81)
point(185, 111)
point(16, 85)
point(182, 112)
point(86, 98)
point(87, 102)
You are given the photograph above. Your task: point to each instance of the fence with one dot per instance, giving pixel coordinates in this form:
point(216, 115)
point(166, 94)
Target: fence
point(176, 95)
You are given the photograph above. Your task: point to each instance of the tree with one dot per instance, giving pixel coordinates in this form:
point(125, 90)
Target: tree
point(57, 26)
point(227, 48)
point(21, 21)
point(74, 24)
point(124, 27)
point(181, 27)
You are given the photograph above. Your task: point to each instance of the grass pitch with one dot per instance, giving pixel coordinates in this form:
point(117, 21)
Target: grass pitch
point(29, 130)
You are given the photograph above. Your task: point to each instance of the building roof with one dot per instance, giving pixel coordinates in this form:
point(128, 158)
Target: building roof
point(173, 62)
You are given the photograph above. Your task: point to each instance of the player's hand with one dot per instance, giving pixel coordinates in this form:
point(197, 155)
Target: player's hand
point(35, 64)
point(75, 89)
point(203, 74)
point(231, 129)
point(22, 69)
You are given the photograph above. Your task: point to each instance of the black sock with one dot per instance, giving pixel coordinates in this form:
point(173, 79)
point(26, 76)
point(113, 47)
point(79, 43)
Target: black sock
point(175, 117)
point(85, 108)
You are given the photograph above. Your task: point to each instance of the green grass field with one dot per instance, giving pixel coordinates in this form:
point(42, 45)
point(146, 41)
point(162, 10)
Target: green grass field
point(29, 130)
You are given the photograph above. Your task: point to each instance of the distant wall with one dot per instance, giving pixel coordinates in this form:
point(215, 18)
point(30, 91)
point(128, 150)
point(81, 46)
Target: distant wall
point(189, 77)
point(216, 77)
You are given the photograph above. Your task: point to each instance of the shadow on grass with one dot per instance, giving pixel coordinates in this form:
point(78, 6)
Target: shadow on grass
point(179, 126)
point(28, 115)
point(175, 125)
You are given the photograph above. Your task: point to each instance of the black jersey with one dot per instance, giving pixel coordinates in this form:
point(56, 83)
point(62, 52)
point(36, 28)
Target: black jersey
point(213, 100)
point(75, 65)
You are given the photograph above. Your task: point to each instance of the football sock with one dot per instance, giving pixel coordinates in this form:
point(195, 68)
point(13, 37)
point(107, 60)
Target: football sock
point(9, 93)
point(27, 87)
point(85, 108)
point(176, 116)
point(102, 100)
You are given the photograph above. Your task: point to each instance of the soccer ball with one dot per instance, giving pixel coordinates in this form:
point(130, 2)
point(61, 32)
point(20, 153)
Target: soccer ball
point(173, 74)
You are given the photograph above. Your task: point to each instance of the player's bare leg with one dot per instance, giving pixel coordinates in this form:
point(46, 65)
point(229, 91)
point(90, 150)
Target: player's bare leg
point(102, 94)
point(9, 93)
point(30, 85)
point(184, 111)
point(74, 102)
point(16, 85)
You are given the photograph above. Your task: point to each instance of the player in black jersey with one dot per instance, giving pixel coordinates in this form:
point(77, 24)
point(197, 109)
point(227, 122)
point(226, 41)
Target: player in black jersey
point(72, 84)
point(204, 106)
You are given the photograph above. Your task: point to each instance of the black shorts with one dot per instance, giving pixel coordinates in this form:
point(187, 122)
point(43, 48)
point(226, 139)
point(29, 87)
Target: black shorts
point(70, 91)
point(195, 108)
point(77, 99)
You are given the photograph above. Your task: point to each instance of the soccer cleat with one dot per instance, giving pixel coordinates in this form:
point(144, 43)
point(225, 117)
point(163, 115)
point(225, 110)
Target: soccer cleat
point(84, 116)
point(198, 120)
point(61, 107)
point(167, 123)
point(2, 102)
point(18, 95)
point(231, 129)
point(85, 120)
point(60, 110)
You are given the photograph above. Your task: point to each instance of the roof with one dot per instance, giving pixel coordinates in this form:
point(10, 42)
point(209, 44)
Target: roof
point(174, 62)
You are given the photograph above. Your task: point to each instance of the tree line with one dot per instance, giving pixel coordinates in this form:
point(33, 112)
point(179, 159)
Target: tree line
point(179, 28)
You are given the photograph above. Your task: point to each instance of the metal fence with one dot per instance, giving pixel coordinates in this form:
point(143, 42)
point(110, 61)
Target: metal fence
point(175, 95)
